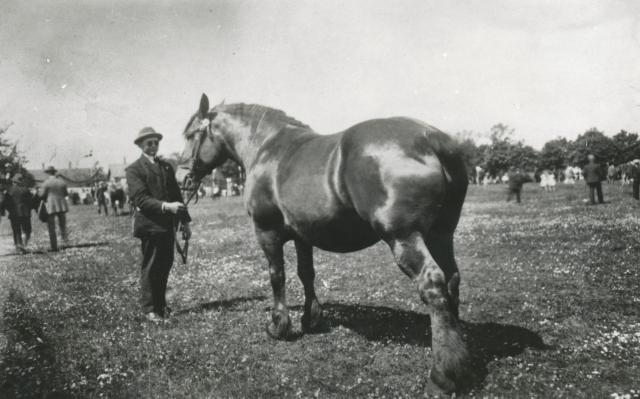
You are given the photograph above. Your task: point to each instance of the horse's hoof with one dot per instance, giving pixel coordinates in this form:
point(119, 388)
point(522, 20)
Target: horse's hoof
point(447, 385)
point(278, 331)
point(313, 324)
point(453, 380)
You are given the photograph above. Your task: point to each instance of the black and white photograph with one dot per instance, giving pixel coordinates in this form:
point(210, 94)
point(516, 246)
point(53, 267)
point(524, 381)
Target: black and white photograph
point(319, 199)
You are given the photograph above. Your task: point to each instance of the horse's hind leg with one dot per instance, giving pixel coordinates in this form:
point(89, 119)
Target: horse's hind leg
point(272, 243)
point(312, 311)
point(441, 249)
point(451, 365)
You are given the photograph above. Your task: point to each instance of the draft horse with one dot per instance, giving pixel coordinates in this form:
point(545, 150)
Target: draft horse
point(395, 179)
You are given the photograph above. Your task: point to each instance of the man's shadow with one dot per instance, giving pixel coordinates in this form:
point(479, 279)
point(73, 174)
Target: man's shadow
point(487, 341)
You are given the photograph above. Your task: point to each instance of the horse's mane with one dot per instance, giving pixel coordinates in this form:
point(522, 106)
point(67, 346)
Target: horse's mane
point(260, 113)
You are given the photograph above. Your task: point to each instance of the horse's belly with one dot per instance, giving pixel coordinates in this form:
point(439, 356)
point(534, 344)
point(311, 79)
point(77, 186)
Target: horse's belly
point(345, 232)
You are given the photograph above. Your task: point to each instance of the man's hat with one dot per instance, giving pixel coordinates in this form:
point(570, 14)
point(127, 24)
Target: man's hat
point(50, 170)
point(17, 178)
point(636, 161)
point(146, 133)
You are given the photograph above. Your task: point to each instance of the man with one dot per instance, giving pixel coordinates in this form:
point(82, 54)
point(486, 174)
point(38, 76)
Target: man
point(515, 181)
point(101, 196)
point(635, 175)
point(54, 192)
point(593, 176)
point(158, 207)
point(18, 201)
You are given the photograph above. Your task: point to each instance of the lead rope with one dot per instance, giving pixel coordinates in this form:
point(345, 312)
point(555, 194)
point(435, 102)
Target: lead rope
point(184, 250)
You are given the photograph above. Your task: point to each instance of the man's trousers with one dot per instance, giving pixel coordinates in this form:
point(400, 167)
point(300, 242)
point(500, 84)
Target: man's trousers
point(157, 259)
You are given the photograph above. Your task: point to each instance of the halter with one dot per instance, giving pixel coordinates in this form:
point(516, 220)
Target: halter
point(190, 177)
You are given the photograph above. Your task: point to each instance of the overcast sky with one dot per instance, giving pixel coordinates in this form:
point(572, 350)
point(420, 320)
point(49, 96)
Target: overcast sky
point(80, 76)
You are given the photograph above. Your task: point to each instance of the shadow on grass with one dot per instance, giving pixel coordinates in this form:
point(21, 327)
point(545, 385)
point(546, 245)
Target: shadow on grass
point(225, 304)
point(487, 341)
point(61, 248)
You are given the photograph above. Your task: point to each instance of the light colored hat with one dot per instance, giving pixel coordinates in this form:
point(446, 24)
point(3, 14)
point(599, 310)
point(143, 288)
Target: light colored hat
point(145, 133)
point(50, 170)
point(636, 161)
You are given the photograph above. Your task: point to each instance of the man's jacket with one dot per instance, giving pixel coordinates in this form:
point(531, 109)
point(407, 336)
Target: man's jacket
point(593, 173)
point(151, 184)
point(54, 191)
point(517, 179)
point(18, 201)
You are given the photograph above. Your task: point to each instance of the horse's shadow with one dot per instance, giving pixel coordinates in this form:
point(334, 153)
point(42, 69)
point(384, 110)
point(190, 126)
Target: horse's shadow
point(225, 304)
point(487, 341)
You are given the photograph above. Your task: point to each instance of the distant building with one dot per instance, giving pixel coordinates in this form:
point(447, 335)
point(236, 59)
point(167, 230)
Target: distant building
point(74, 177)
point(116, 171)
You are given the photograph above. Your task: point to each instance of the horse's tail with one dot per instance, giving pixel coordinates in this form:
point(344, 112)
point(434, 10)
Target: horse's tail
point(454, 171)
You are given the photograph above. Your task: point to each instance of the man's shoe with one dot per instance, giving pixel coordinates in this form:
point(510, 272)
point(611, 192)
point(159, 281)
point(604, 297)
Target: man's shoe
point(153, 317)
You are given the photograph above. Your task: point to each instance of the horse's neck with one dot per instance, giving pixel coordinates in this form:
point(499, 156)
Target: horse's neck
point(248, 140)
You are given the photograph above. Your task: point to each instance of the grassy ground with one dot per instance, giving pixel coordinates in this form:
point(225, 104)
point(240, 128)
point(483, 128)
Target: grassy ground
point(550, 300)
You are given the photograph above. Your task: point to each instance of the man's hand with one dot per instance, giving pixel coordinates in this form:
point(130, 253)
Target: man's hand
point(174, 207)
point(186, 231)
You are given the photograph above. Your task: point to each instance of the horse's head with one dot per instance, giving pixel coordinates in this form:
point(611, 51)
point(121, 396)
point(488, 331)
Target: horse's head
point(205, 145)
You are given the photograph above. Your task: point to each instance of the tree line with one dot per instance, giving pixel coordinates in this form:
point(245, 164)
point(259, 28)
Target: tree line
point(503, 152)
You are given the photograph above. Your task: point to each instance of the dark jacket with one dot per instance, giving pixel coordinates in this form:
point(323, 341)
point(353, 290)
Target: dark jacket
point(18, 201)
point(593, 173)
point(517, 179)
point(149, 186)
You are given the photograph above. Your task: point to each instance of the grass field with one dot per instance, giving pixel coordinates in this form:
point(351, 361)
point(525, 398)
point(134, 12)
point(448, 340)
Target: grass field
point(550, 299)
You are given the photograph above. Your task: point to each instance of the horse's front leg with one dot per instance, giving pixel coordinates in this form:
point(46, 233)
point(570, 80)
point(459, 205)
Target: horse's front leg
point(312, 316)
point(272, 243)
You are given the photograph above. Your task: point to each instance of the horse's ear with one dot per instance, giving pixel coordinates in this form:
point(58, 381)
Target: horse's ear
point(204, 105)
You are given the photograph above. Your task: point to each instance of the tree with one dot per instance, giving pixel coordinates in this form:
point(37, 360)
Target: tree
point(554, 154)
point(11, 161)
point(627, 147)
point(593, 142)
point(469, 151)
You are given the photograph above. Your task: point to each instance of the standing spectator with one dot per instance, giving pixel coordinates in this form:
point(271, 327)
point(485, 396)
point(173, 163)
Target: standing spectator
point(479, 173)
point(516, 181)
point(593, 176)
point(18, 202)
point(635, 174)
point(53, 191)
point(158, 205)
point(101, 196)
point(611, 173)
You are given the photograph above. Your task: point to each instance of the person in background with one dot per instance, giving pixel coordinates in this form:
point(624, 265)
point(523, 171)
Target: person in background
point(101, 196)
point(516, 181)
point(18, 202)
point(593, 176)
point(635, 175)
point(158, 207)
point(611, 173)
point(54, 192)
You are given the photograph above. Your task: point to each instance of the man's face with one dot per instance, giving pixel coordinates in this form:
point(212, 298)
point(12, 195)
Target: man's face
point(150, 146)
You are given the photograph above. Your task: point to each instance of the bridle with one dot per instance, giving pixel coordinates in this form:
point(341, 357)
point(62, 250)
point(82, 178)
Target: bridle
point(190, 179)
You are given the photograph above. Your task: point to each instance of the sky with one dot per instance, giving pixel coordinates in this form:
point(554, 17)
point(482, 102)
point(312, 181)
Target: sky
point(83, 77)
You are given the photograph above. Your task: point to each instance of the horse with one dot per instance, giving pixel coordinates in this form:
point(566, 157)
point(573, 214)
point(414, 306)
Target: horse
point(397, 179)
